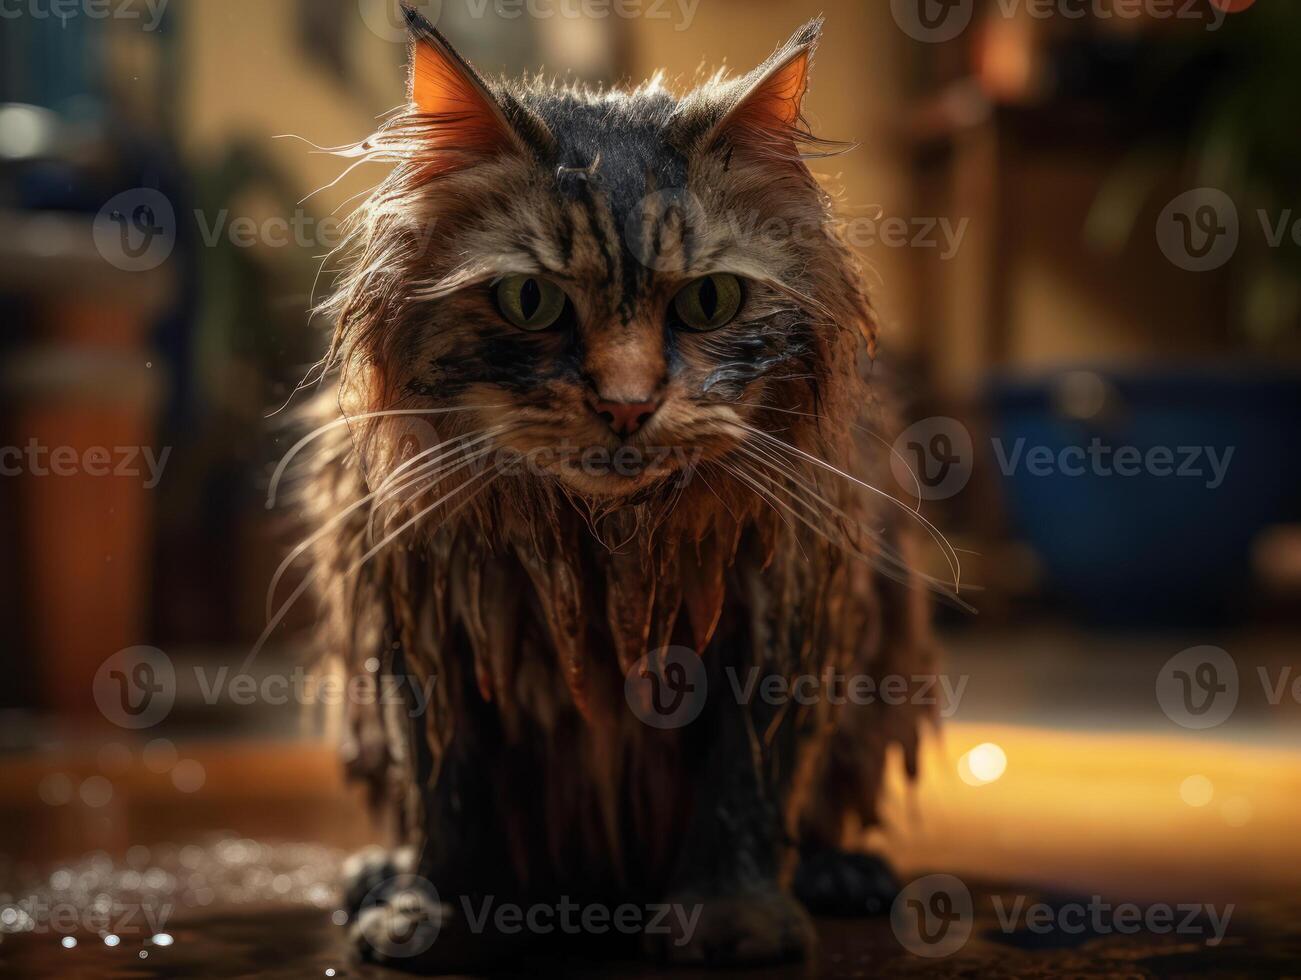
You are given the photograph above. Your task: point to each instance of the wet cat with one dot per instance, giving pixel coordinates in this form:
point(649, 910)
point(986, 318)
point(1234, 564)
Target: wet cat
point(601, 356)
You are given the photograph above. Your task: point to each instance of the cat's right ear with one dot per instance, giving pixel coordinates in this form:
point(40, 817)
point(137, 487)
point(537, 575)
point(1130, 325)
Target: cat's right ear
point(469, 117)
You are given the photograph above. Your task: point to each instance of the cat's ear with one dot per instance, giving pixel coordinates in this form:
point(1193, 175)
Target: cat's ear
point(470, 119)
point(764, 109)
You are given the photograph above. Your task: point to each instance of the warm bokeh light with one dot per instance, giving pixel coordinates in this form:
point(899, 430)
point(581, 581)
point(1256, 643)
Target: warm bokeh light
point(1237, 811)
point(982, 764)
point(1196, 790)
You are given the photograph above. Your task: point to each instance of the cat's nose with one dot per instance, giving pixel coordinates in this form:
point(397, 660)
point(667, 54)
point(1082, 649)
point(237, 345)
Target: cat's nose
point(625, 418)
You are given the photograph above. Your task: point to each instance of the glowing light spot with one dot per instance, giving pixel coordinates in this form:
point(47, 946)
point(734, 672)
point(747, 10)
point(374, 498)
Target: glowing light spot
point(111, 940)
point(372, 664)
point(189, 776)
point(159, 755)
point(96, 791)
point(56, 789)
point(1237, 811)
point(329, 971)
point(144, 954)
point(982, 764)
point(162, 939)
point(1196, 790)
point(339, 918)
point(68, 942)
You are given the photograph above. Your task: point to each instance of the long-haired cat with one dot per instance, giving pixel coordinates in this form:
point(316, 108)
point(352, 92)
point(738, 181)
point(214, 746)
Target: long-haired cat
point(601, 359)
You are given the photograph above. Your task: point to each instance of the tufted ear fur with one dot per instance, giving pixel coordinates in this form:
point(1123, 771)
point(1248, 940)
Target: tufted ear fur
point(469, 117)
point(765, 112)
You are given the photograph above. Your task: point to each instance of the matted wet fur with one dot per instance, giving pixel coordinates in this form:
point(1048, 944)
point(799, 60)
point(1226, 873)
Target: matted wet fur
point(458, 537)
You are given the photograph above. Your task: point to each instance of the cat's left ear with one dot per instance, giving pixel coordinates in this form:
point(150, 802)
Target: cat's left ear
point(765, 110)
point(470, 118)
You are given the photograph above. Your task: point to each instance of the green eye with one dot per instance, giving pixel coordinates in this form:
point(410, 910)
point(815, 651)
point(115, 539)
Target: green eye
point(709, 302)
point(528, 302)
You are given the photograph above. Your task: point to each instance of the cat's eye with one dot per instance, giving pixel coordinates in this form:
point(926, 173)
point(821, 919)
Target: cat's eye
point(529, 302)
point(709, 303)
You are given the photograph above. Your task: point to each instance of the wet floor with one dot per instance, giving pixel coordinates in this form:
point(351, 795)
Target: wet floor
point(281, 941)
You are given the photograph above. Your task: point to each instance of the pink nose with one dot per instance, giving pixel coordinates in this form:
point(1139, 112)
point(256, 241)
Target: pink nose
point(625, 418)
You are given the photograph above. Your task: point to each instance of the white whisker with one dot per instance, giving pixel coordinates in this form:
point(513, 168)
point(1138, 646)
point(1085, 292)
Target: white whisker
point(348, 420)
point(946, 548)
point(311, 577)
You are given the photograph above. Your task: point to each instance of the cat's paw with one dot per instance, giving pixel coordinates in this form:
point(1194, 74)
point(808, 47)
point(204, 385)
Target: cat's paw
point(404, 925)
point(398, 924)
point(751, 929)
point(845, 884)
point(366, 872)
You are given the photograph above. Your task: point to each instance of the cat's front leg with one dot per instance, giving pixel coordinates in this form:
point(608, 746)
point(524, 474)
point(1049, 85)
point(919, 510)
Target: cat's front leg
point(419, 908)
point(729, 908)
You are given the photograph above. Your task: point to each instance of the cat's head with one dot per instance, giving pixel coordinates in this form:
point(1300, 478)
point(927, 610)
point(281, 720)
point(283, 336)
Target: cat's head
point(616, 284)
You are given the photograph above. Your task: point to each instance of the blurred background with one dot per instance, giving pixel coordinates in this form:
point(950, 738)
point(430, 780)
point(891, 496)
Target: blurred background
point(1083, 226)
